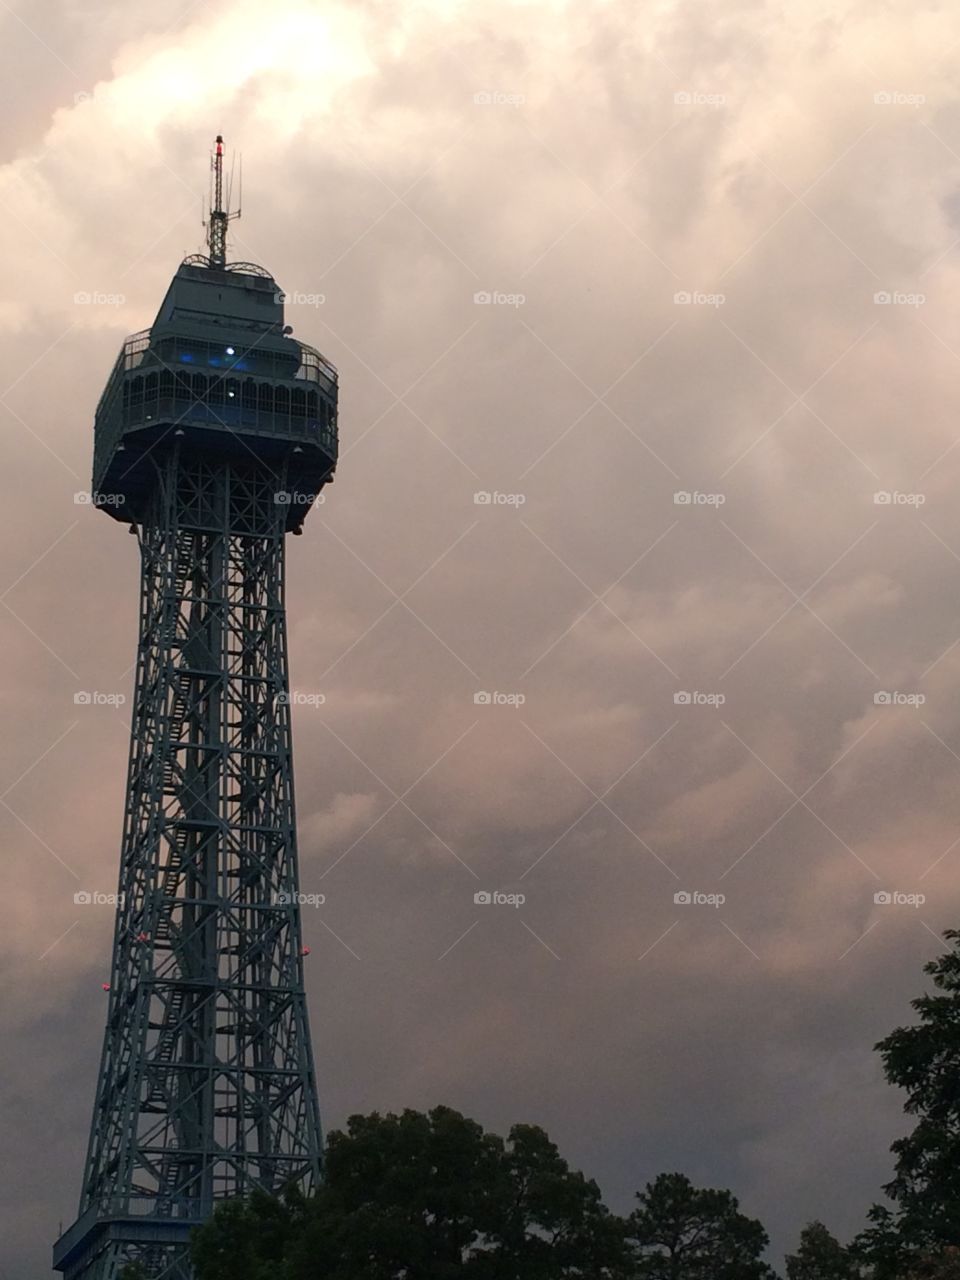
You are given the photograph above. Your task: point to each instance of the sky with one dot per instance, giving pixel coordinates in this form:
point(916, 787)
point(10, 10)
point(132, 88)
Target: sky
point(634, 604)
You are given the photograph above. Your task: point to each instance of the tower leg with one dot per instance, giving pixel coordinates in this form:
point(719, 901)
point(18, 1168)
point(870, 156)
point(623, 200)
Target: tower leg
point(207, 1086)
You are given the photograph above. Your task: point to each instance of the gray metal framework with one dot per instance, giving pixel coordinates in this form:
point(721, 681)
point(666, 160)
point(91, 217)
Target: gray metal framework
point(206, 1087)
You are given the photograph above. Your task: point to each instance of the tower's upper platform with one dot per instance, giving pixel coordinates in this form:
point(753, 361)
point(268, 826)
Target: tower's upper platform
point(219, 373)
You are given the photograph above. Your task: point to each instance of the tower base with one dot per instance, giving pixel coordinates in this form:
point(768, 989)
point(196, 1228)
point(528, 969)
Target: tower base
point(99, 1246)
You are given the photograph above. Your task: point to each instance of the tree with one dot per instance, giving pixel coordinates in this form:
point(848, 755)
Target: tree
point(248, 1239)
point(552, 1223)
point(407, 1195)
point(681, 1232)
point(924, 1061)
point(820, 1256)
point(880, 1249)
point(944, 1265)
point(423, 1197)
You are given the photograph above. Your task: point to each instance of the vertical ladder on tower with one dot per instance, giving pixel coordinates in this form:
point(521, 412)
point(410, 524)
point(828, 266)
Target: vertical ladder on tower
point(170, 881)
point(158, 1069)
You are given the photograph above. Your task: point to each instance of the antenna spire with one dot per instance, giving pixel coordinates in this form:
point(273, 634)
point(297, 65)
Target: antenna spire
point(219, 216)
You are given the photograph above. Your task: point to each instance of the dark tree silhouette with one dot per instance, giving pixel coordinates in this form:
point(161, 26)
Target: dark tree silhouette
point(423, 1197)
point(923, 1227)
point(820, 1256)
point(681, 1232)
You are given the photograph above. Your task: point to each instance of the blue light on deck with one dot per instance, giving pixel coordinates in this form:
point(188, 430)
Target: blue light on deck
point(186, 358)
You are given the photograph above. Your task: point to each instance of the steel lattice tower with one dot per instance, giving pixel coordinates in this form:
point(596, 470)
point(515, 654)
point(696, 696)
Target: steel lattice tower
point(214, 434)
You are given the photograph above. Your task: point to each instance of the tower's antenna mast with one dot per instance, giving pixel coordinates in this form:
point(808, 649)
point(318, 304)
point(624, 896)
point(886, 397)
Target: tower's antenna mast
point(219, 216)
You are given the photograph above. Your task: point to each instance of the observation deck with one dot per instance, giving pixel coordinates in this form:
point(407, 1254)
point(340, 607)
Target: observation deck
point(216, 374)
